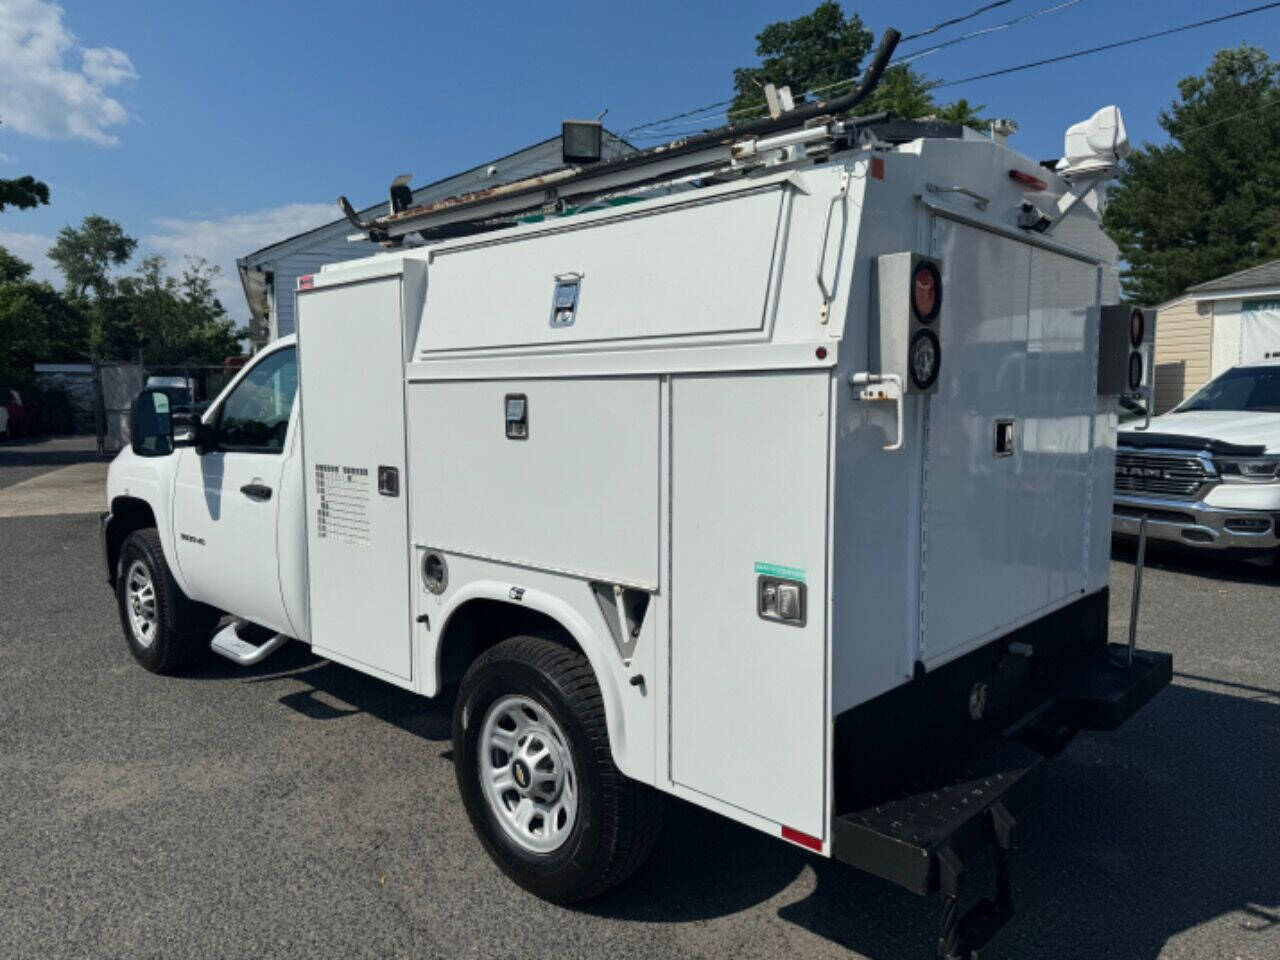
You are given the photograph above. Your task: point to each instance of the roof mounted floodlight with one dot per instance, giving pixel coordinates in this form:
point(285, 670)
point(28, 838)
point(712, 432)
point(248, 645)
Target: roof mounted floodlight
point(1095, 146)
point(581, 141)
point(401, 195)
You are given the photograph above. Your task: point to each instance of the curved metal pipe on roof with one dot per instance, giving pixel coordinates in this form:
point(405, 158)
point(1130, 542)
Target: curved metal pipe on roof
point(565, 176)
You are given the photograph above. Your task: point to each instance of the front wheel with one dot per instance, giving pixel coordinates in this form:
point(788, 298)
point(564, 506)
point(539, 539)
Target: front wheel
point(166, 630)
point(531, 752)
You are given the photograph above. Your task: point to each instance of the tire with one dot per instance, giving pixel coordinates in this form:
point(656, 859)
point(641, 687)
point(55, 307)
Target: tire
point(615, 821)
point(164, 628)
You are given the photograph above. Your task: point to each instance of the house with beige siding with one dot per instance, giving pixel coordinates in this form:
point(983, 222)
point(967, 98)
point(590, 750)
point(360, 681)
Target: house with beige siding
point(1214, 326)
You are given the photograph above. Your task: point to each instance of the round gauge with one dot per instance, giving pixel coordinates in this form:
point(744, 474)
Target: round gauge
point(924, 359)
point(926, 291)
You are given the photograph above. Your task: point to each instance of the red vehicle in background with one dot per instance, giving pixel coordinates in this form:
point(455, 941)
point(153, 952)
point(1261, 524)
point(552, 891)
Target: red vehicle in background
point(11, 401)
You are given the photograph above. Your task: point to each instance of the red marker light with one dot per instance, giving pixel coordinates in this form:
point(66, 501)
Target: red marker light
point(821, 353)
point(1028, 181)
point(306, 282)
point(1137, 327)
point(926, 291)
point(795, 836)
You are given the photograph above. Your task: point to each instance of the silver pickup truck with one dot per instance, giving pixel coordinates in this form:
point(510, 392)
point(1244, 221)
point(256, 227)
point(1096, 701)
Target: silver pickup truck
point(1207, 473)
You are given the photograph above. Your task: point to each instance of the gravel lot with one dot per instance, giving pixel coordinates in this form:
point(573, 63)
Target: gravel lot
point(299, 809)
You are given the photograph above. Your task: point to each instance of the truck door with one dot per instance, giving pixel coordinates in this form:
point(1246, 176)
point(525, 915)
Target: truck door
point(997, 502)
point(226, 504)
point(353, 437)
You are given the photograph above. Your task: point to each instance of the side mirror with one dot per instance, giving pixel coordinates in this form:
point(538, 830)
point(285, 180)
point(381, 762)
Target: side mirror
point(190, 431)
point(151, 424)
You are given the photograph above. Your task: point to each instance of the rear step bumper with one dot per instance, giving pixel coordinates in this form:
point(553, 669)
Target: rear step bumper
point(921, 838)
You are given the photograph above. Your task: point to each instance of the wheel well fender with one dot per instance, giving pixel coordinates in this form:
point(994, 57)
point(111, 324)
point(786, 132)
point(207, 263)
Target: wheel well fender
point(483, 613)
point(127, 515)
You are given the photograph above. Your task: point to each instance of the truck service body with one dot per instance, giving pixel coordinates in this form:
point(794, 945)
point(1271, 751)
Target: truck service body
point(834, 585)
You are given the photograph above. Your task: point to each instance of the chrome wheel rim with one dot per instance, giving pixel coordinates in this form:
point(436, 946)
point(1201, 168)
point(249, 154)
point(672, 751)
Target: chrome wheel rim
point(527, 774)
point(140, 599)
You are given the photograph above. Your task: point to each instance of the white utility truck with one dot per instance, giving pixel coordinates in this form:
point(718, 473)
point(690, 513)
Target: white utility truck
point(771, 469)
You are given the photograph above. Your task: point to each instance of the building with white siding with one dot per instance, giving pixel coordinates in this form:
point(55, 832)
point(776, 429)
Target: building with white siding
point(270, 275)
point(1214, 326)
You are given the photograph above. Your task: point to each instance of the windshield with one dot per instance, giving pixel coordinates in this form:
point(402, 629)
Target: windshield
point(1241, 388)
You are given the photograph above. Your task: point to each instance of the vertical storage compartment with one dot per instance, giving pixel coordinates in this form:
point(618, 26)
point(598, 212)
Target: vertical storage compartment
point(351, 360)
point(749, 501)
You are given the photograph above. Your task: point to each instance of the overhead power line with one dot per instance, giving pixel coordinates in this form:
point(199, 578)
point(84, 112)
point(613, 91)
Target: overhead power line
point(657, 129)
point(954, 20)
point(1182, 134)
point(709, 111)
point(1111, 46)
point(994, 28)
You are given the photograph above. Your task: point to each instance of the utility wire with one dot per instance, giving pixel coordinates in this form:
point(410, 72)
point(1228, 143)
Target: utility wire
point(1182, 134)
point(917, 54)
point(954, 20)
point(1111, 46)
point(656, 128)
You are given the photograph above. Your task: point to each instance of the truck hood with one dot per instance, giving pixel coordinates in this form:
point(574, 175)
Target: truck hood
point(1237, 427)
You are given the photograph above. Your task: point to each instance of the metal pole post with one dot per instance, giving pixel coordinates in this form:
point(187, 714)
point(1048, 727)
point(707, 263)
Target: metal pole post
point(1137, 586)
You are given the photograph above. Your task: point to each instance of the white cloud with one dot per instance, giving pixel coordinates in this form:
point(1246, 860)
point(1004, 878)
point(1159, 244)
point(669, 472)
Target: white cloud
point(32, 248)
point(50, 85)
point(5, 158)
point(222, 241)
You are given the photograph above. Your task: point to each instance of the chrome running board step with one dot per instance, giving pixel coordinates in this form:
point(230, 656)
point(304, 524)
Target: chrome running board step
point(231, 642)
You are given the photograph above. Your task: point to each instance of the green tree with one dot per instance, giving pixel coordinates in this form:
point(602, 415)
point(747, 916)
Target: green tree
point(86, 255)
point(37, 323)
point(13, 269)
point(1208, 202)
point(823, 51)
point(172, 320)
point(23, 193)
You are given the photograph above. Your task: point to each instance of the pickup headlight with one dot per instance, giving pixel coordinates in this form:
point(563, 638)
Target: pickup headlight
point(1248, 469)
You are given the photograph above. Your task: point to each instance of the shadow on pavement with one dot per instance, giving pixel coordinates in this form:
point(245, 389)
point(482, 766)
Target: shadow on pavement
point(333, 691)
point(1129, 839)
point(51, 452)
point(1163, 556)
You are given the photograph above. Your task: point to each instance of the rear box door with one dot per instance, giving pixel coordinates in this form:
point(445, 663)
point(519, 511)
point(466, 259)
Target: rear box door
point(1015, 345)
point(353, 426)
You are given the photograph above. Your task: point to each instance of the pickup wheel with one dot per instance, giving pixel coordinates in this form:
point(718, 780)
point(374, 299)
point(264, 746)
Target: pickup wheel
point(166, 630)
point(531, 753)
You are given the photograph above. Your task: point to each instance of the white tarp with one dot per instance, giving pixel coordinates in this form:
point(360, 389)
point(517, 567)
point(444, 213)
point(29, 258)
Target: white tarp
point(1259, 330)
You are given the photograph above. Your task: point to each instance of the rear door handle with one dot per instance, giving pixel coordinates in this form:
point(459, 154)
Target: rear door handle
point(256, 491)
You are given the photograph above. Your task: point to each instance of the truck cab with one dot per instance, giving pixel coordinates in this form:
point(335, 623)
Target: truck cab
point(226, 499)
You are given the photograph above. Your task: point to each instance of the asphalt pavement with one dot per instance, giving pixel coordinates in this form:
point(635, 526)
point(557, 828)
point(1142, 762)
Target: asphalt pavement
point(300, 809)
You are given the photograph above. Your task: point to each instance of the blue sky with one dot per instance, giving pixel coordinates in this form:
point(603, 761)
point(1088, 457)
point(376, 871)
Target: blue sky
point(213, 129)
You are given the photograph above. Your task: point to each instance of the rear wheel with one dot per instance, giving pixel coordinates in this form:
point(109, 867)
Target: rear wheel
point(531, 752)
point(166, 630)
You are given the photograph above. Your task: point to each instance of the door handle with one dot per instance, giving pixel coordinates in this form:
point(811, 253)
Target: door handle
point(256, 491)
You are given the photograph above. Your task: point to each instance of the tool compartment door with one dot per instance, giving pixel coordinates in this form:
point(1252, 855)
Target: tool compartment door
point(353, 425)
point(749, 494)
point(1016, 345)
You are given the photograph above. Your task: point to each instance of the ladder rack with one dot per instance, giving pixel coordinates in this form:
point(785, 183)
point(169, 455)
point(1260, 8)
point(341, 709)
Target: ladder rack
point(728, 149)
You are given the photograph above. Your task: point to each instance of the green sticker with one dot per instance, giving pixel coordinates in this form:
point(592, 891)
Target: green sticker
point(777, 570)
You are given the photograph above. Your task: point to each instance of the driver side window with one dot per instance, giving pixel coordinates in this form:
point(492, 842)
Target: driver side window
point(255, 417)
